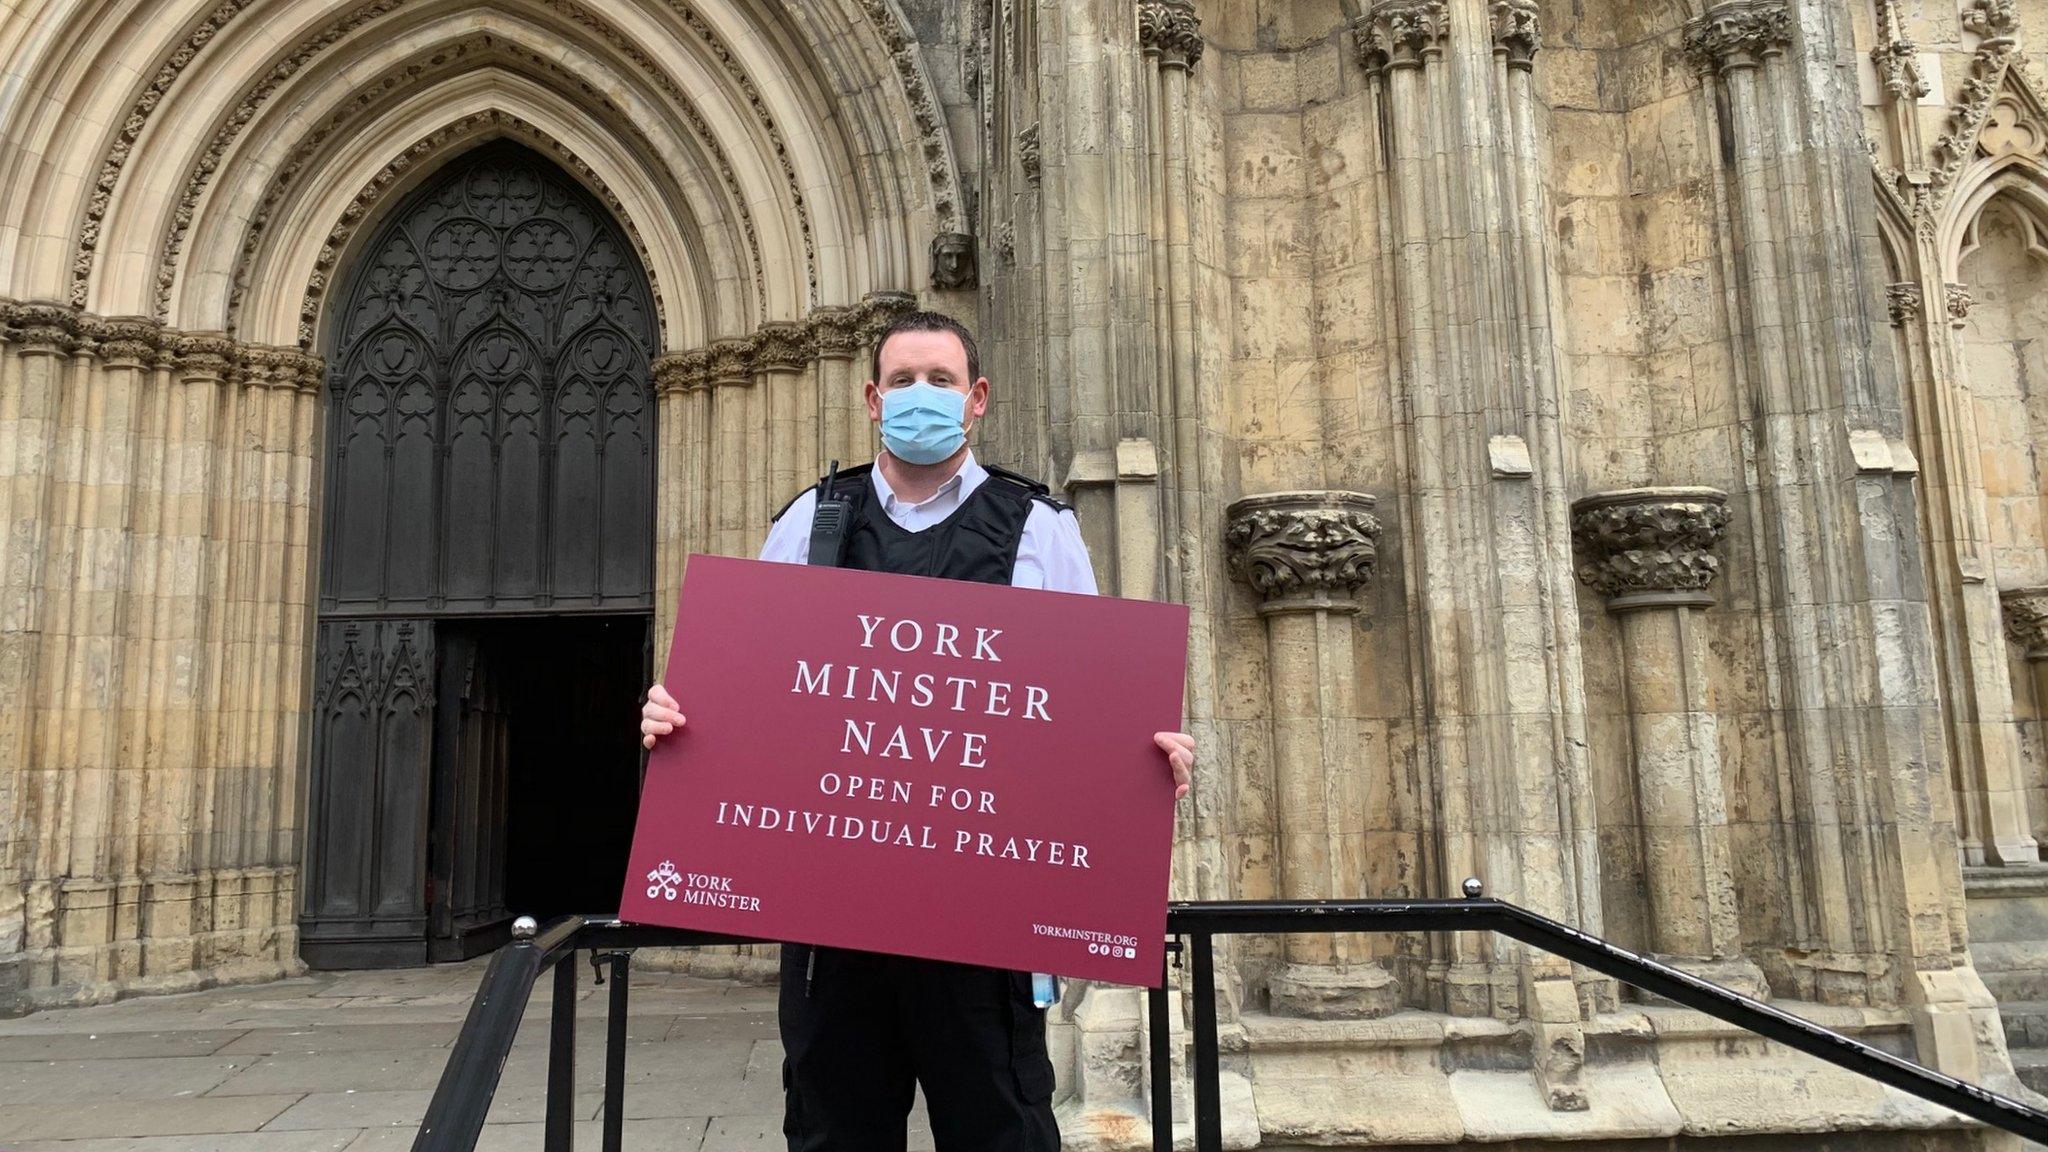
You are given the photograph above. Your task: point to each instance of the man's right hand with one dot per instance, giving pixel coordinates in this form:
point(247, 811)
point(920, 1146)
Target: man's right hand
point(658, 717)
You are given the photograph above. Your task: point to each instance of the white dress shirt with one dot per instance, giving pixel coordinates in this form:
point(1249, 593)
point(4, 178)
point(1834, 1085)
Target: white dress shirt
point(1051, 555)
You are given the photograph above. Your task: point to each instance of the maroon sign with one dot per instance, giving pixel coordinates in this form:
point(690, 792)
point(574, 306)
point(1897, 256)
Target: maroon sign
point(927, 767)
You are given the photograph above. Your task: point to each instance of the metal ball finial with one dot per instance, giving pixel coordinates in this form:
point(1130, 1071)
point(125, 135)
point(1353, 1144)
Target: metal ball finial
point(524, 928)
point(1473, 888)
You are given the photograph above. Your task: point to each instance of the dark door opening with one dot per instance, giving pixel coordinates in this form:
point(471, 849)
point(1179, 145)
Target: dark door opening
point(536, 772)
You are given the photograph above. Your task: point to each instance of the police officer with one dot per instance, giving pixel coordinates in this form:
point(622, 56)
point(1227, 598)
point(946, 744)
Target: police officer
point(861, 1030)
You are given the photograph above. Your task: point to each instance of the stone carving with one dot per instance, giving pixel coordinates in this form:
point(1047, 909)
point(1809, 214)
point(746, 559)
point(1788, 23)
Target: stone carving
point(205, 354)
point(682, 371)
point(1738, 34)
point(759, 106)
point(1314, 549)
point(1400, 33)
point(1517, 31)
point(1903, 301)
point(1006, 241)
point(1896, 56)
point(879, 310)
point(1959, 303)
point(2026, 619)
point(122, 340)
point(1027, 155)
point(1170, 30)
point(51, 327)
point(87, 248)
point(924, 109)
point(268, 366)
point(1996, 68)
point(732, 360)
point(784, 346)
point(433, 145)
point(836, 332)
point(245, 111)
point(454, 55)
point(1657, 541)
point(953, 261)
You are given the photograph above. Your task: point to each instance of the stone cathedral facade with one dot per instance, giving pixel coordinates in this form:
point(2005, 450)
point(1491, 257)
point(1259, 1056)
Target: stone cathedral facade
point(1604, 446)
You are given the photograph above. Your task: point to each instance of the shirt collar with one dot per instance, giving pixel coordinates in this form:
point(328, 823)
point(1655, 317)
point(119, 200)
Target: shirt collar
point(965, 479)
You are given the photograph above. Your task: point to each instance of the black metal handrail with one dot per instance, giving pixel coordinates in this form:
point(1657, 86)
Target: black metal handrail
point(455, 1117)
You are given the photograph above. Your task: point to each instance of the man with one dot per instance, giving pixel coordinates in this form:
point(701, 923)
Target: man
point(860, 1030)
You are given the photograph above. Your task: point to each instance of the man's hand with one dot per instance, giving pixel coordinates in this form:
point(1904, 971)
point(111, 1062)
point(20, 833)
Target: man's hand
point(659, 717)
point(1180, 756)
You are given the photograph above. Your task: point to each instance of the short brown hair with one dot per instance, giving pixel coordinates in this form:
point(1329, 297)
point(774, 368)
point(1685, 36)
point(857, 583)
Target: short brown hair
point(928, 322)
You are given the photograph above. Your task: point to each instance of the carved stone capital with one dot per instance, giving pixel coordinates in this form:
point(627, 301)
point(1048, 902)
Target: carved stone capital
point(1959, 302)
point(682, 371)
point(880, 310)
point(1649, 546)
point(836, 332)
point(1028, 156)
point(783, 346)
point(1170, 30)
point(1903, 301)
point(40, 327)
point(732, 360)
point(1401, 33)
point(1304, 550)
point(1898, 68)
point(1738, 34)
point(1517, 31)
point(125, 341)
point(953, 261)
point(267, 366)
point(2026, 619)
point(207, 355)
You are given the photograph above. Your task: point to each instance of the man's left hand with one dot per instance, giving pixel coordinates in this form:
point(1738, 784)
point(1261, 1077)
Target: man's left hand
point(1180, 756)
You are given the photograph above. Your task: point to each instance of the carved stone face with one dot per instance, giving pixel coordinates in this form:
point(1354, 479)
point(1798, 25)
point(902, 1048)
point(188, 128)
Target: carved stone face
point(953, 261)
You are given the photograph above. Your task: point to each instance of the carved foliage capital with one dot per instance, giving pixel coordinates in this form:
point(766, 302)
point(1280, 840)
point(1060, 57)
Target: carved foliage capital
point(273, 367)
point(1401, 33)
point(1304, 549)
point(1903, 301)
point(1517, 30)
point(785, 347)
point(1170, 30)
point(837, 332)
point(1738, 34)
point(2026, 619)
point(45, 327)
point(128, 340)
point(1650, 540)
point(682, 371)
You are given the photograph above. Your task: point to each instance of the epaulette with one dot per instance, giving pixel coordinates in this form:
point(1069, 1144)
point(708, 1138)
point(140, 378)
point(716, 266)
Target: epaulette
point(1032, 488)
point(856, 472)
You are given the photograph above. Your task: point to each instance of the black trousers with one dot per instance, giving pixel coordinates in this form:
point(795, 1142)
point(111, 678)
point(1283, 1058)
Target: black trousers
point(861, 1030)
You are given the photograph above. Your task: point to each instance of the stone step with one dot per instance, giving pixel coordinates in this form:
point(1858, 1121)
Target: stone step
point(2032, 1066)
point(2026, 1024)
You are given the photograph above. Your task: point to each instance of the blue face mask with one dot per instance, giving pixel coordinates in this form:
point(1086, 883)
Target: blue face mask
point(923, 423)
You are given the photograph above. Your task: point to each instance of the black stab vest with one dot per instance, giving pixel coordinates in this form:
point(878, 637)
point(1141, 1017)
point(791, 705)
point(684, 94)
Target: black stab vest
point(977, 542)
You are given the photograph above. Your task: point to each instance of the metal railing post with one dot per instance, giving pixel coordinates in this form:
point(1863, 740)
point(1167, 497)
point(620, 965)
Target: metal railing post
point(1161, 1034)
point(560, 1135)
point(615, 1053)
point(1208, 1094)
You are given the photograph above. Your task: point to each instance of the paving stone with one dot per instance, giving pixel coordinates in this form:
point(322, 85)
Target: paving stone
point(361, 1070)
point(191, 1115)
point(330, 1141)
point(342, 1038)
point(23, 1082)
point(351, 1110)
point(97, 1045)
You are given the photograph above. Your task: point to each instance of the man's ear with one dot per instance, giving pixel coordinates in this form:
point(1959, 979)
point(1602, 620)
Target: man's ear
point(977, 399)
point(874, 399)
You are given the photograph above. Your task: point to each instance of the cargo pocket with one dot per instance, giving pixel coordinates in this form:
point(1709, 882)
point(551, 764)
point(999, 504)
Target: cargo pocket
point(1028, 1058)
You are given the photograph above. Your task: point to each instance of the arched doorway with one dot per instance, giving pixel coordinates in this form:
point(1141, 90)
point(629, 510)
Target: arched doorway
point(486, 573)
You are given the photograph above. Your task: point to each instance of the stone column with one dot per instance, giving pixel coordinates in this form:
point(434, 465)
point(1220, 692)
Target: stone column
point(1306, 554)
point(1650, 551)
point(2026, 622)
